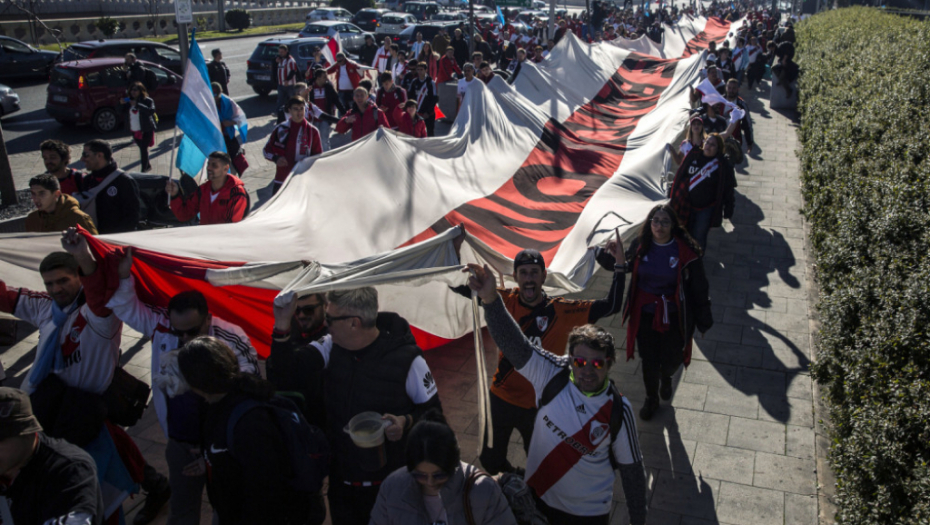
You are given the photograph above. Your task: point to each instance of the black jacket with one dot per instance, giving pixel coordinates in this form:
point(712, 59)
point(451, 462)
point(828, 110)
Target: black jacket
point(371, 379)
point(487, 53)
point(249, 484)
point(136, 73)
point(461, 50)
point(366, 54)
point(219, 73)
point(59, 479)
point(332, 97)
point(296, 370)
point(117, 204)
point(146, 109)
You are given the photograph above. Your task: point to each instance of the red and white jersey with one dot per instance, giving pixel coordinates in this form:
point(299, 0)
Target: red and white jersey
point(285, 68)
point(568, 464)
point(89, 341)
point(381, 60)
point(153, 322)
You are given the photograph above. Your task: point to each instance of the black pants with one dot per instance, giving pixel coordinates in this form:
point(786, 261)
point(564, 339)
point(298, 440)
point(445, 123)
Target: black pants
point(506, 417)
point(143, 144)
point(754, 73)
point(345, 96)
point(557, 517)
point(429, 118)
point(350, 505)
point(661, 352)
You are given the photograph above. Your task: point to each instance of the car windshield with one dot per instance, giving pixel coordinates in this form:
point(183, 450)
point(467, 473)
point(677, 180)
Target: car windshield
point(312, 29)
point(266, 52)
point(64, 78)
point(392, 20)
point(74, 53)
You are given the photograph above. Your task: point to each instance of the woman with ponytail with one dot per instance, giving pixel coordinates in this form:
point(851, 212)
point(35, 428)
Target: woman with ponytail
point(247, 483)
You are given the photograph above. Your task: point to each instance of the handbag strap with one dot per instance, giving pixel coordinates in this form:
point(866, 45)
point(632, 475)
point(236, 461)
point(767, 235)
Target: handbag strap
point(466, 493)
point(91, 194)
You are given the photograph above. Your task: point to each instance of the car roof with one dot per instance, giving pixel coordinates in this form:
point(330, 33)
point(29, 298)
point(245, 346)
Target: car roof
point(326, 22)
point(285, 41)
point(380, 10)
point(398, 13)
point(118, 42)
point(94, 63)
point(420, 3)
point(329, 9)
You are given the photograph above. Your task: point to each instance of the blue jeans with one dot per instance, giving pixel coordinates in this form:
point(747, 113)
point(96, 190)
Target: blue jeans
point(699, 225)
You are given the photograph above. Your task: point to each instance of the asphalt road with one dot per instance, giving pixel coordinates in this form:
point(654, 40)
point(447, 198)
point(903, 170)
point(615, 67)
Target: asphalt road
point(24, 130)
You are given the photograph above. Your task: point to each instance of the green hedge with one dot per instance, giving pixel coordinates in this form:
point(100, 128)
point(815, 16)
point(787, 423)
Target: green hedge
point(865, 134)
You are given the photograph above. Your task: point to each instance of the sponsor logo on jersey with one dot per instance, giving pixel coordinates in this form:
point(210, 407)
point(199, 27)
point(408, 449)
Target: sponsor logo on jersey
point(542, 322)
point(428, 381)
point(673, 262)
point(580, 409)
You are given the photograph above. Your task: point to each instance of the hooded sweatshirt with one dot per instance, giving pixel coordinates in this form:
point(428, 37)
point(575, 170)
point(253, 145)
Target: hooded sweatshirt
point(229, 204)
point(67, 214)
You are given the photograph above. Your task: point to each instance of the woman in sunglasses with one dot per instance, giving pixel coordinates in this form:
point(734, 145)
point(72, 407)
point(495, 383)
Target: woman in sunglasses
point(431, 488)
point(667, 300)
point(140, 111)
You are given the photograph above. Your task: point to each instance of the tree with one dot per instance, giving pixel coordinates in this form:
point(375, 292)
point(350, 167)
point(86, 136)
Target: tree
point(152, 8)
point(238, 19)
point(108, 26)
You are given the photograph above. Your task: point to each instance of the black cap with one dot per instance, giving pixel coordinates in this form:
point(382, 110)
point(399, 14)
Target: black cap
point(529, 256)
point(16, 418)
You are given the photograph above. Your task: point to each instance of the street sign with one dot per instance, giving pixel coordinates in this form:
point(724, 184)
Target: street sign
point(183, 11)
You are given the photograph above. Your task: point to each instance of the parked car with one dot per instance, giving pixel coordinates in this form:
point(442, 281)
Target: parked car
point(422, 10)
point(450, 16)
point(350, 35)
point(90, 91)
point(393, 23)
point(154, 52)
point(369, 19)
point(540, 5)
point(529, 17)
point(9, 100)
point(329, 13)
point(260, 66)
point(18, 59)
point(408, 36)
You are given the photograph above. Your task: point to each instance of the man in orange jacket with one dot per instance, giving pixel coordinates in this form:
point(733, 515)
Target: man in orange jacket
point(222, 199)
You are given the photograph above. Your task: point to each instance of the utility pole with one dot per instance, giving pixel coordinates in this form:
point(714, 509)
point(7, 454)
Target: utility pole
point(471, 28)
point(7, 188)
point(551, 27)
point(184, 16)
point(221, 14)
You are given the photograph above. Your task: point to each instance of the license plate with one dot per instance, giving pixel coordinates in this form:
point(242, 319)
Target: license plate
point(263, 77)
point(60, 98)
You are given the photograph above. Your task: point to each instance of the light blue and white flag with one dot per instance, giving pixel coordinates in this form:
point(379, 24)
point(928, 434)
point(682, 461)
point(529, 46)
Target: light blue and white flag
point(500, 16)
point(197, 117)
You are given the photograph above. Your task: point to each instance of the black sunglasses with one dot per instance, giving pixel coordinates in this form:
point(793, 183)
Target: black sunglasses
point(308, 309)
point(597, 362)
point(190, 332)
point(330, 319)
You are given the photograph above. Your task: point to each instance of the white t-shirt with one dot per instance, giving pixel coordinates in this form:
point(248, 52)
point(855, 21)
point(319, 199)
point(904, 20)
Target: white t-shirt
point(135, 123)
point(345, 84)
point(463, 85)
point(420, 385)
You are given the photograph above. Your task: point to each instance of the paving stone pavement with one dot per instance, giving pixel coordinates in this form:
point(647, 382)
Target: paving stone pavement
point(736, 444)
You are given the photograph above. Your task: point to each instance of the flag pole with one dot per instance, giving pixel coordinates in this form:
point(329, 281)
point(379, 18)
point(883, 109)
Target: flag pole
point(183, 43)
point(174, 145)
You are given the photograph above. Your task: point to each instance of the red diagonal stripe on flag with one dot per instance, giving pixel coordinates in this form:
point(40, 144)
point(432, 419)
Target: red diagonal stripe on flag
point(564, 456)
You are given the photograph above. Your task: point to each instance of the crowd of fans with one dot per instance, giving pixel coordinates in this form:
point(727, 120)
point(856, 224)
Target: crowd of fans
point(348, 396)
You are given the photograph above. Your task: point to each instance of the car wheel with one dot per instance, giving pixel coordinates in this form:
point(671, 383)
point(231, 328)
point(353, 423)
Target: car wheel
point(105, 120)
point(262, 92)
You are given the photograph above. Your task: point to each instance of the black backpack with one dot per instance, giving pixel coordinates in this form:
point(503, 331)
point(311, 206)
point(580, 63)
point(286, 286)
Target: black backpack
point(560, 380)
point(308, 451)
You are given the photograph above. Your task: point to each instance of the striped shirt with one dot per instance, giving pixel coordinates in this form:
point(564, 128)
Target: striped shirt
point(285, 69)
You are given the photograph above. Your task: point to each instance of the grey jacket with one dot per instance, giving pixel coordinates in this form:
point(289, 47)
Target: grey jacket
point(401, 503)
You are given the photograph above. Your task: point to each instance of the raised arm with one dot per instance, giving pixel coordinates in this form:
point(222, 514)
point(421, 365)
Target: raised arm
point(127, 306)
point(505, 331)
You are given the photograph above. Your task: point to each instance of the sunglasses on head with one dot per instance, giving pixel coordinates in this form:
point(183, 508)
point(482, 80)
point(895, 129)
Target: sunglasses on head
point(598, 362)
point(438, 477)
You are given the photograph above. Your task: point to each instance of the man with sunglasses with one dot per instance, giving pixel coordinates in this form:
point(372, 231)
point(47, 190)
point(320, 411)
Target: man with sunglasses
point(186, 317)
point(584, 429)
point(547, 321)
point(370, 362)
point(293, 367)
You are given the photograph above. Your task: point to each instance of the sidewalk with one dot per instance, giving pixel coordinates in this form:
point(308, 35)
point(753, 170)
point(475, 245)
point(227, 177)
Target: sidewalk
point(737, 444)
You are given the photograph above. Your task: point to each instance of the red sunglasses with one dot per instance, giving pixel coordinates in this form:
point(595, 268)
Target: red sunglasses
point(598, 362)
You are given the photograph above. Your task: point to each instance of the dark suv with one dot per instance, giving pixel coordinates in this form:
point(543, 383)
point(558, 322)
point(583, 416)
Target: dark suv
point(369, 19)
point(260, 66)
point(153, 52)
point(408, 36)
point(422, 10)
point(90, 92)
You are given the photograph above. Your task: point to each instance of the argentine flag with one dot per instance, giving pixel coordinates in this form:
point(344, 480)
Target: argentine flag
point(197, 117)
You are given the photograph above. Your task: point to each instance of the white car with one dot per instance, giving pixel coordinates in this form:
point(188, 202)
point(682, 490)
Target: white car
point(395, 22)
point(539, 4)
point(329, 13)
point(9, 101)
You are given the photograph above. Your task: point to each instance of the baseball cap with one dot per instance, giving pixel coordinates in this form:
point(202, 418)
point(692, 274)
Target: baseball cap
point(16, 418)
point(529, 256)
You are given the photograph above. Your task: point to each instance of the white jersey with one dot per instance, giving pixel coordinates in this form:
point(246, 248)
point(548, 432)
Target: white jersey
point(568, 462)
point(420, 386)
point(153, 322)
point(89, 341)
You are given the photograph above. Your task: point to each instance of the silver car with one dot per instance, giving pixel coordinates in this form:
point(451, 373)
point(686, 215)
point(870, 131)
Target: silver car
point(329, 13)
point(350, 36)
point(395, 22)
point(9, 101)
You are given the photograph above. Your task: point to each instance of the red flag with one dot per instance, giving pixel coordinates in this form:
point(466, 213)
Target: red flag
point(439, 113)
point(332, 48)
